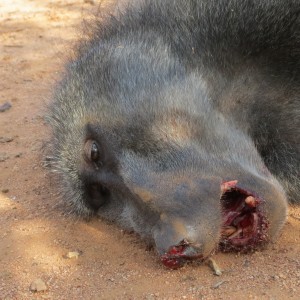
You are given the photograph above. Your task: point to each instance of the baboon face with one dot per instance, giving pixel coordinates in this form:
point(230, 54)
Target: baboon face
point(166, 120)
point(190, 183)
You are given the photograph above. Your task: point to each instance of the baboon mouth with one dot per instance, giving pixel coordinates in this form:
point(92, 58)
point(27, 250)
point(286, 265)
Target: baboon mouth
point(244, 222)
point(244, 227)
point(178, 255)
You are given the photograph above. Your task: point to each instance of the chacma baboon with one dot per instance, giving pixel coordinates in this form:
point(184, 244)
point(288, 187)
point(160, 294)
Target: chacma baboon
point(181, 120)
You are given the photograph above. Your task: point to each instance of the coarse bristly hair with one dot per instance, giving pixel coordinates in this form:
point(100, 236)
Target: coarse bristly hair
point(180, 96)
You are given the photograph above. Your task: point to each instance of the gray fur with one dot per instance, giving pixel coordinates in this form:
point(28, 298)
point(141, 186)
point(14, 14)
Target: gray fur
point(182, 95)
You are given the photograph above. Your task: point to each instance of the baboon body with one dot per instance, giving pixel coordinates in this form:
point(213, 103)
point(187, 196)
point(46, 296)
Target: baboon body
point(175, 112)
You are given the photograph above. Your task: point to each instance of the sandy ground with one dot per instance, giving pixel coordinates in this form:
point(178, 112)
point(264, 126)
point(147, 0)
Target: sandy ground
point(36, 234)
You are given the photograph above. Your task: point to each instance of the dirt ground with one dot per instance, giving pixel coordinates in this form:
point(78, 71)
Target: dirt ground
point(35, 232)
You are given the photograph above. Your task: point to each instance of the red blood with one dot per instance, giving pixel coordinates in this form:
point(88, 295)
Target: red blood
point(179, 254)
point(241, 210)
point(244, 211)
point(171, 263)
point(225, 186)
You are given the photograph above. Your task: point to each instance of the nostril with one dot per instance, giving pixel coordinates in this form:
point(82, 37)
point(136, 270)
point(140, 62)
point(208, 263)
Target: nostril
point(177, 255)
point(97, 195)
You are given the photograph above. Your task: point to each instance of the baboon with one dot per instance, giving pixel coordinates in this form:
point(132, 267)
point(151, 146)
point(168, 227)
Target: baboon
point(180, 120)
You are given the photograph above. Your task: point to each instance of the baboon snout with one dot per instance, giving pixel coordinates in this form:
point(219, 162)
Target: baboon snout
point(180, 240)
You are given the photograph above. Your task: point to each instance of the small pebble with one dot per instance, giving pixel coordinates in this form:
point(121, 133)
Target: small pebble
point(18, 154)
point(4, 139)
point(282, 276)
point(92, 2)
point(5, 106)
point(72, 254)
point(5, 191)
point(38, 285)
point(150, 297)
point(246, 263)
point(3, 157)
